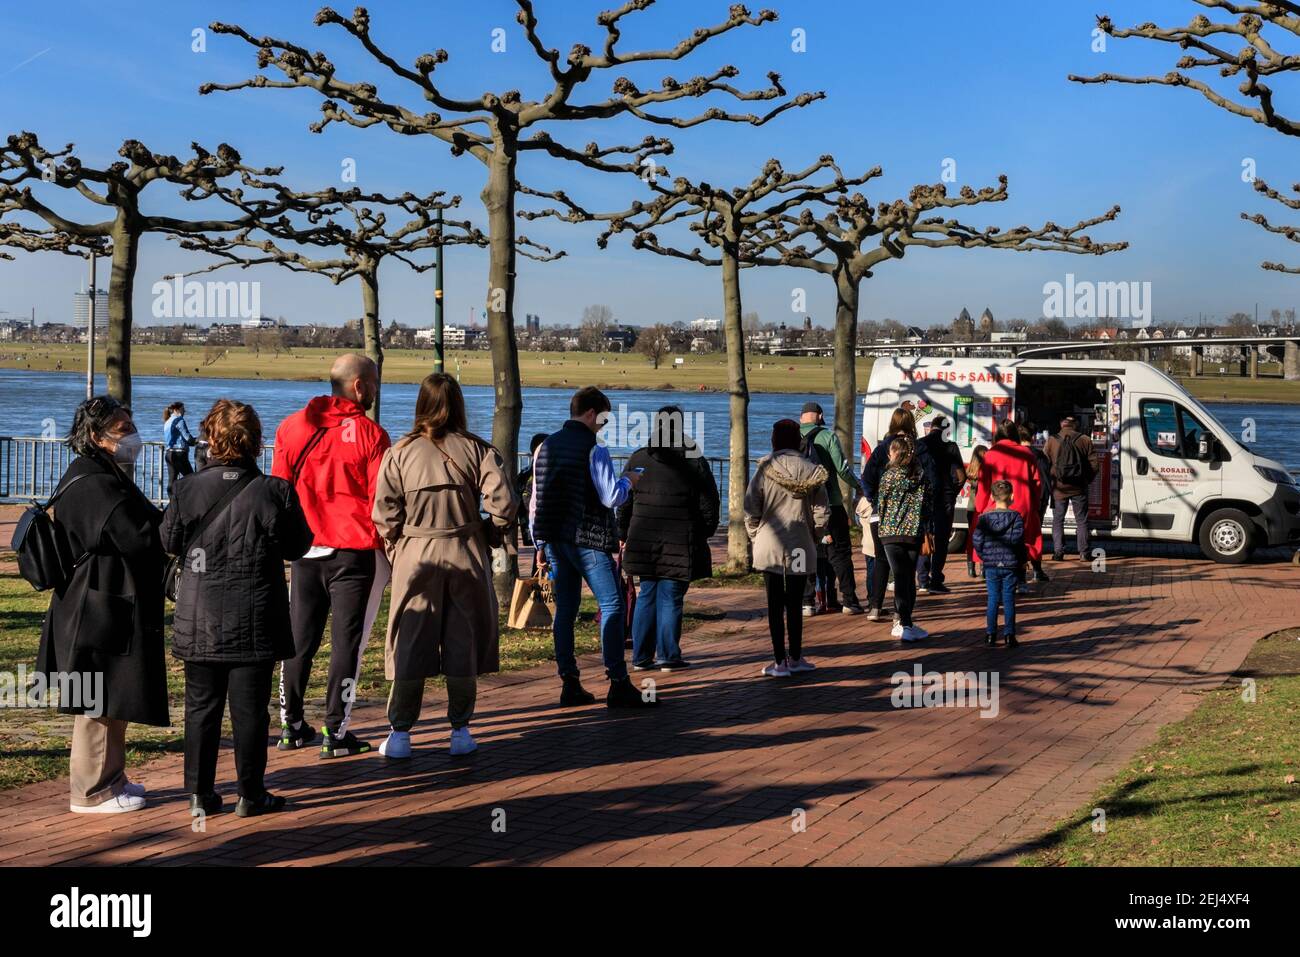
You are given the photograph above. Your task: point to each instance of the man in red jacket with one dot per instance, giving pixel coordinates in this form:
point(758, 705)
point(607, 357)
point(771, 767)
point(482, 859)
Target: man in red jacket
point(331, 452)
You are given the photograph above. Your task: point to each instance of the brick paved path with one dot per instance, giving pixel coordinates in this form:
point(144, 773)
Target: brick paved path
point(716, 774)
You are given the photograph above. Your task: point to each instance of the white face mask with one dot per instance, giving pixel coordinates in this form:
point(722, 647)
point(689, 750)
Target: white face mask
point(128, 450)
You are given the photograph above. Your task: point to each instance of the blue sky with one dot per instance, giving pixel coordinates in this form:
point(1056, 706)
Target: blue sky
point(908, 86)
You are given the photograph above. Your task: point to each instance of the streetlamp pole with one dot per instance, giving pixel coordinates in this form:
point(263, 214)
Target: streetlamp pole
point(437, 305)
point(90, 334)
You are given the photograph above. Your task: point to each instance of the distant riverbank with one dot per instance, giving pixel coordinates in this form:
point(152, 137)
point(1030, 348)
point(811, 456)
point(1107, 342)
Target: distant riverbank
point(705, 372)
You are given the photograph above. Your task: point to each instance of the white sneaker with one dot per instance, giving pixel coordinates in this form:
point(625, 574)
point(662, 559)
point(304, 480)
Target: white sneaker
point(913, 633)
point(133, 789)
point(794, 665)
point(462, 742)
point(775, 670)
point(121, 804)
point(889, 587)
point(897, 630)
point(397, 745)
point(809, 611)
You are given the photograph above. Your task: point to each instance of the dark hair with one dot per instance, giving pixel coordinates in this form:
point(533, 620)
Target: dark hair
point(1002, 491)
point(233, 430)
point(902, 421)
point(1070, 420)
point(439, 408)
point(174, 407)
point(1008, 430)
point(538, 439)
point(1026, 433)
point(669, 428)
point(905, 446)
point(93, 417)
point(785, 435)
point(976, 462)
point(588, 399)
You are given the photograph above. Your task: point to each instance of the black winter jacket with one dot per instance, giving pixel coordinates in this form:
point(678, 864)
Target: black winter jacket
point(668, 519)
point(1000, 538)
point(233, 605)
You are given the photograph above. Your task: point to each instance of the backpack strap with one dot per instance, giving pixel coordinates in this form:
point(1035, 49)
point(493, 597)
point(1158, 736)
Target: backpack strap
point(58, 492)
point(302, 457)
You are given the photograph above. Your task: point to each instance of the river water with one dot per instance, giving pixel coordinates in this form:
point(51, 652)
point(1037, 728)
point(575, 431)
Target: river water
point(36, 403)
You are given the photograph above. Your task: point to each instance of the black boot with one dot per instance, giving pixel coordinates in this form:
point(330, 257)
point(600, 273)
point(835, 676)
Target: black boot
point(624, 694)
point(266, 804)
point(1010, 637)
point(574, 694)
point(991, 640)
point(205, 803)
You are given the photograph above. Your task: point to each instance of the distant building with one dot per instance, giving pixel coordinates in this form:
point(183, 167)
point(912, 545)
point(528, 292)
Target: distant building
point(705, 324)
point(260, 323)
point(620, 338)
point(81, 308)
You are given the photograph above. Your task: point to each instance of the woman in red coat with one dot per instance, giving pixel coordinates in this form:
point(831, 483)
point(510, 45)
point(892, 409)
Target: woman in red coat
point(1009, 460)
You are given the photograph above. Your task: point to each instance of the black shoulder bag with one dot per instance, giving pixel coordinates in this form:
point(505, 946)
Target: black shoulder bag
point(172, 573)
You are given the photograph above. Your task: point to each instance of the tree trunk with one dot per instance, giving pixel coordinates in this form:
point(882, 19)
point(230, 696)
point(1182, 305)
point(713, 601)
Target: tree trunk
point(121, 285)
point(846, 370)
point(499, 201)
point(371, 329)
point(738, 554)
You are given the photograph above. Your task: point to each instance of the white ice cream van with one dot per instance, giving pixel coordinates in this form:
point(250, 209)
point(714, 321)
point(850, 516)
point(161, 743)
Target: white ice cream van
point(1165, 468)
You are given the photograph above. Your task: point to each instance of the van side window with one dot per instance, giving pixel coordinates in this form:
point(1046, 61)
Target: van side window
point(1169, 429)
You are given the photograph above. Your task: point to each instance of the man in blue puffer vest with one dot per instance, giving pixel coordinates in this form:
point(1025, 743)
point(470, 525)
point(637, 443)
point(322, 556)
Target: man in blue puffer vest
point(571, 515)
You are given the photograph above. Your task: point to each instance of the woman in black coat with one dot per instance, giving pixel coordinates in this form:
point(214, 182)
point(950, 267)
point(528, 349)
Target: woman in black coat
point(105, 625)
point(231, 623)
point(666, 524)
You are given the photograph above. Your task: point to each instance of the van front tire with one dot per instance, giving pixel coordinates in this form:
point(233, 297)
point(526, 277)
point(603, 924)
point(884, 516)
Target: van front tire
point(1227, 536)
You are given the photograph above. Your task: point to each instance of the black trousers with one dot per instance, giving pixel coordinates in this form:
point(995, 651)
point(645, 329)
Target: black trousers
point(931, 566)
point(840, 554)
point(178, 465)
point(342, 584)
point(785, 613)
point(902, 561)
point(879, 580)
point(207, 686)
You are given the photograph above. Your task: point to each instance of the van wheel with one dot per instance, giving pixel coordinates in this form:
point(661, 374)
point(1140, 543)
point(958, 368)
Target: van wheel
point(1227, 536)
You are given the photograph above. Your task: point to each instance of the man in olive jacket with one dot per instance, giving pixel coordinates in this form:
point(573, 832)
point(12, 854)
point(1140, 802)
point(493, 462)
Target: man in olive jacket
point(825, 445)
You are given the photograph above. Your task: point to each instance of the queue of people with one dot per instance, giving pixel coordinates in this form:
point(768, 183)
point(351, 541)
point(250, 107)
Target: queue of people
point(351, 512)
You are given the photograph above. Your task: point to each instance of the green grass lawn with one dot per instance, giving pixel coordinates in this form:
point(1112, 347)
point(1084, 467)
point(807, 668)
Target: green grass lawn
point(1219, 787)
point(34, 742)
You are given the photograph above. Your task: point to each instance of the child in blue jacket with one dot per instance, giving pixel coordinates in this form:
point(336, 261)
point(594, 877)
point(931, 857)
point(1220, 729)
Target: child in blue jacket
point(1000, 545)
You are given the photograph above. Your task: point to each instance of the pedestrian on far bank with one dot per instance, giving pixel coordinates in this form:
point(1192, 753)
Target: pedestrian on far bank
point(786, 508)
point(107, 621)
point(575, 492)
point(330, 452)
point(434, 486)
point(231, 623)
point(665, 525)
point(1000, 542)
point(1070, 453)
point(951, 474)
point(905, 500)
point(177, 441)
point(818, 440)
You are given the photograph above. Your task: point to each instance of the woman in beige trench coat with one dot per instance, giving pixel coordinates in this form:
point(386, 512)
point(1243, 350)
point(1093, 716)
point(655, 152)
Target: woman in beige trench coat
point(442, 616)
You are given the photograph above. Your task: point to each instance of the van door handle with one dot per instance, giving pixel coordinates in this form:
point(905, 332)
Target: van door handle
point(1142, 465)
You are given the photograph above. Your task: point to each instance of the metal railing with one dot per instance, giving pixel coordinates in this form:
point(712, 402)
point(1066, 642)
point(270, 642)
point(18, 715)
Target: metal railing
point(30, 468)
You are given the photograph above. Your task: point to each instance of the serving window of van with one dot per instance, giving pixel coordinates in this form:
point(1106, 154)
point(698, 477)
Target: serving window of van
point(1169, 429)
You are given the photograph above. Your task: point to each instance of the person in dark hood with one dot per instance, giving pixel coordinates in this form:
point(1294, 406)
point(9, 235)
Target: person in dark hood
point(665, 526)
point(105, 626)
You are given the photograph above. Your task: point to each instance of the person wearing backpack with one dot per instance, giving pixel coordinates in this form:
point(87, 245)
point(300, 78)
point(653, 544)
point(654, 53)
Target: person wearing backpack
point(107, 618)
point(821, 445)
point(233, 529)
point(1070, 453)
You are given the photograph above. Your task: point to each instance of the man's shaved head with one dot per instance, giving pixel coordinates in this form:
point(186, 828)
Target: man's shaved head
point(354, 376)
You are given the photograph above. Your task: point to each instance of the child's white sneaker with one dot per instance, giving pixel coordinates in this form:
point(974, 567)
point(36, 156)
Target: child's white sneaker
point(397, 745)
point(776, 670)
point(462, 742)
point(897, 630)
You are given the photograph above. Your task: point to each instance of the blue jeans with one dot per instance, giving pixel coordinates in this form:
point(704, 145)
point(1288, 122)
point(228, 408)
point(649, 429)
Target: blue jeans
point(1001, 584)
point(571, 565)
point(657, 621)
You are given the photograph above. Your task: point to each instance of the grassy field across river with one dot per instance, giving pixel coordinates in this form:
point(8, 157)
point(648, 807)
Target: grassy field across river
point(561, 370)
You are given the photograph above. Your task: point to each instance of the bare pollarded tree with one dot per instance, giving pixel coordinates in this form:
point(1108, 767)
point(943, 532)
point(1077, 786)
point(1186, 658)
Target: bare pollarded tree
point(727, 220)
point(346, 234)
point(28, 169)
point(841, 234)
point(1244, 44)
point(498, 129)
